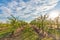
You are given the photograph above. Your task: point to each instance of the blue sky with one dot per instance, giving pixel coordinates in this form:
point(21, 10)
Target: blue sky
point(27, 10)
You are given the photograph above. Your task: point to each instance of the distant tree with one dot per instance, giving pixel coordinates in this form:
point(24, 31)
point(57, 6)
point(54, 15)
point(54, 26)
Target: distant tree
point(57, 21)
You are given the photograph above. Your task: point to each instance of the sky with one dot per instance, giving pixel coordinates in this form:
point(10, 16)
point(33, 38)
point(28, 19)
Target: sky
point(28, 10)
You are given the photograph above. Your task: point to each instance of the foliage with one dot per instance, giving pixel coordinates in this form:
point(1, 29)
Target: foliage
point(28, 33)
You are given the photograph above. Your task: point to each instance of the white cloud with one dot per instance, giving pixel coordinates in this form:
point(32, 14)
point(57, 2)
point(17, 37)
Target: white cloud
point(53, 14)
point(28, 9)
